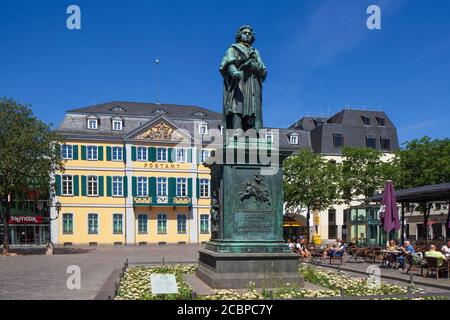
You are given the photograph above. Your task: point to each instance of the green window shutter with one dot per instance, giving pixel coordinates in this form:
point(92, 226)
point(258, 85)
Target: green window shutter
point(100, 153)
point(101, 185)
point(198, 188)
point(172, 187)
point(134, 186)
point(190, 187)
point(125, 187)
point(169, 154)
point(108, 153)
point(133, 153)
point(58, 184)
point(83, 152)
point(152, 154)
point(124, 154)
point(152, 186)
point(109, 186)
point(83, 185)
point(75, 152)
point(76, 186)
point(189, 156)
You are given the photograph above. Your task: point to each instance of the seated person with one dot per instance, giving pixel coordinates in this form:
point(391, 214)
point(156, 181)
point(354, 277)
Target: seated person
point(334, 251)
point(407, 249)
point(446, 249)
point(392, 246)
point(291, 246)
point(436, 254)
point(302, 249)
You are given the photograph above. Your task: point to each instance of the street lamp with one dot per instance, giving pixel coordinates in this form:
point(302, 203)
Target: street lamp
point(50, 245)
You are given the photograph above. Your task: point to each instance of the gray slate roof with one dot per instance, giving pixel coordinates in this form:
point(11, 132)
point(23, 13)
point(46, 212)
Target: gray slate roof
point(315, 133)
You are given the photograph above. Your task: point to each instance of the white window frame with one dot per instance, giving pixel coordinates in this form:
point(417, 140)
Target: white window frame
point(114, 122)
point(69, 185)
point(222, 130)
point(208, 221)
point(165, 158)
point(92, 121)
point(184, 158)
point(178, 223)
point(121, 222)
point(114, 155)
point(203, 129)
point(269, 137)
point(146, 224)
point(67, 151)
point(117, 180)
point(182, 187)
point(204, 188)
point(162, 184)
point(92, 158)
point(202, 155)
point(143, 181)
point(139, 154)
point(97, 231)
point(95, 182)
point(162, 215)
point(292, 138)
point(67, 214)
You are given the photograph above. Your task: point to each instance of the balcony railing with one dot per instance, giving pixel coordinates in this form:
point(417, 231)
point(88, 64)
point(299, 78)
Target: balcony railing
point(162, 201)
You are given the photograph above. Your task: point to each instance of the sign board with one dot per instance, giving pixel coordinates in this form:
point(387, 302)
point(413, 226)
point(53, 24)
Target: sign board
point(316, 239)
point(25, 219)
point(163, 283)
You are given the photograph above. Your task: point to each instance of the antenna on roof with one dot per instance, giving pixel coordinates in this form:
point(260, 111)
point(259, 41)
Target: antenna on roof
point(157, 80)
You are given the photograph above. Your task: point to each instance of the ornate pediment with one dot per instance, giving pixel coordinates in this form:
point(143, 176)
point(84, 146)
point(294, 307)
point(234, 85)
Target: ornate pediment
point(160, 132)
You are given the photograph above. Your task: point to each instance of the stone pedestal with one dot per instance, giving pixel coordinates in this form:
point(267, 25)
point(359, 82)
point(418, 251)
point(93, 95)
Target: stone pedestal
point(236, 270)
point(247, 221)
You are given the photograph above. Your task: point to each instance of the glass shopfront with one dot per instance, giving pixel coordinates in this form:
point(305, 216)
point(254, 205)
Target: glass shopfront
point(365, 227)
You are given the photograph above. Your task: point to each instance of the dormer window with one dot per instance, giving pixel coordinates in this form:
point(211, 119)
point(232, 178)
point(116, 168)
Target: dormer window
point(381, 122)
point(203, 128)
point(117, 125)
point(117, 108)
point(366, 120)
point(293, 139)
point(92, 124)
point(160, 111)
point(199, 114)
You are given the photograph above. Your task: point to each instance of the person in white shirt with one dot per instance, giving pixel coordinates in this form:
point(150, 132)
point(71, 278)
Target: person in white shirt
point(291, 245)
point(446, 249)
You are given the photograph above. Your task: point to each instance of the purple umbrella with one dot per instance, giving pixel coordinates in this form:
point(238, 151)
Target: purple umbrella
point(389, 214)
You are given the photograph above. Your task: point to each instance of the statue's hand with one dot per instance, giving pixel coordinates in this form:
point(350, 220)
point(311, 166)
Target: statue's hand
point(237, 75)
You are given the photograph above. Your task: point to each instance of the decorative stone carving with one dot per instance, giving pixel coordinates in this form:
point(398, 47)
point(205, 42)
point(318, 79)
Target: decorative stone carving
point(161, 132)
point(255, 188)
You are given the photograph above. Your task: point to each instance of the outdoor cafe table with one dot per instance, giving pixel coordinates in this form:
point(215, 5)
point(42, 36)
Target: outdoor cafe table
point(388, 255)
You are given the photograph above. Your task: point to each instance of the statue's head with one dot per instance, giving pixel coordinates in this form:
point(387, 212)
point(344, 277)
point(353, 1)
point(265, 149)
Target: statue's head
point(245, 34)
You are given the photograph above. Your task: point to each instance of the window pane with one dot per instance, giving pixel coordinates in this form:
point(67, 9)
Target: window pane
point(162, 224)
point(204, 223)
point(142, 223)
point(181, 223)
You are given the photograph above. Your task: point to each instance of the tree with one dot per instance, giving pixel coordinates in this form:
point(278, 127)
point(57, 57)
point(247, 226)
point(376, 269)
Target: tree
point(422, 162)
point(28, 156)
point(363, 173)
point(310, 182)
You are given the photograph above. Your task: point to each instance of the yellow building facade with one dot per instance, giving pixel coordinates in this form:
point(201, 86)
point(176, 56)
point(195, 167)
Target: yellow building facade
point(143, 185)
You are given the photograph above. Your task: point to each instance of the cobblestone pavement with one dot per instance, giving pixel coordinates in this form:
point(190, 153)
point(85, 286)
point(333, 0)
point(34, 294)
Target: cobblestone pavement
point(34, 276)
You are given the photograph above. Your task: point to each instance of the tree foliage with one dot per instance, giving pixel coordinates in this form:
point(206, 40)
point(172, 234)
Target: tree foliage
point(310, 182)
point(28, 153)
point(422, 162)
point(362, 172)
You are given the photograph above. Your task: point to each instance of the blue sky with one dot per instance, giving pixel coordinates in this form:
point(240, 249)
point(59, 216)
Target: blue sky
point(319, 54)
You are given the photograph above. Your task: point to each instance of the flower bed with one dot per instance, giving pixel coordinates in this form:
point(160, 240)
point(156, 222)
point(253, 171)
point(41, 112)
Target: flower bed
point(135, 285)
